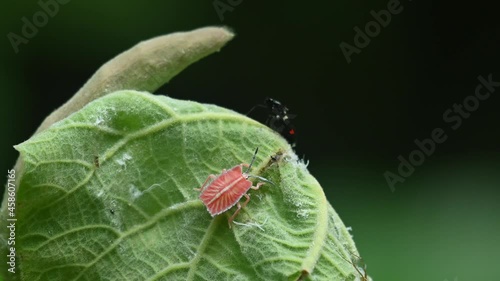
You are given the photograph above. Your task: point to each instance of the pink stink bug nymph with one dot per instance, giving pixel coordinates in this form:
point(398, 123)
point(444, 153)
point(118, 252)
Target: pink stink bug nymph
point(220, 193)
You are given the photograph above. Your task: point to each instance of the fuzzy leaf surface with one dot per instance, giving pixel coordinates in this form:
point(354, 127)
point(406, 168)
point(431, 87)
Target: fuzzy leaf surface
point(108, 194)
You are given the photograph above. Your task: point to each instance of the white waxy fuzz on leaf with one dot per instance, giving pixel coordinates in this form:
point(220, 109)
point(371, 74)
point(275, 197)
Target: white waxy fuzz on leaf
point(152, 159)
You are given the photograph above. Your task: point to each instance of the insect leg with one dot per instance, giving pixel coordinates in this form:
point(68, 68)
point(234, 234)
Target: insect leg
point(204, 185)
point(230, 221)
point(257, 186)
point(246, 201)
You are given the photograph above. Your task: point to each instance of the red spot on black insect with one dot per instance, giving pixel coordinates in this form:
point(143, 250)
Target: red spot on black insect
point(279, 119)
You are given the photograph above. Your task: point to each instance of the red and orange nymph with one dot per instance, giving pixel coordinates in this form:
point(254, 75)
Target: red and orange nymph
point(221, 192)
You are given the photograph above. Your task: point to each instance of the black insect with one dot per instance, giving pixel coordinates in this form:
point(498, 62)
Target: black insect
point(278, 119)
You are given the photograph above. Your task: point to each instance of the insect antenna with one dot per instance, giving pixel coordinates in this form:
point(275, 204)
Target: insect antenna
point(261, 178)
point(253, 159)
point(254, 107)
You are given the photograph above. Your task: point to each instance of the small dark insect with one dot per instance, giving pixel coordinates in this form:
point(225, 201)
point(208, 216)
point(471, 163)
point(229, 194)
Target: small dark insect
point(278, 119)
point(276, 157)
point(112, 211)
point(97, 164)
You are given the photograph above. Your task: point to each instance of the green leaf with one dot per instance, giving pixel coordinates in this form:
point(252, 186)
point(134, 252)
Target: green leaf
point(108, 194)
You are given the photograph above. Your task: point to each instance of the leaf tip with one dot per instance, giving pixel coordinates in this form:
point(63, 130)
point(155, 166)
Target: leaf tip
point(18, 147)
point(220, 35)
point(228, 32)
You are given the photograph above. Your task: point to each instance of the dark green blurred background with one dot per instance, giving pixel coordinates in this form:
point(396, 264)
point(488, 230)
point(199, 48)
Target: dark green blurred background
point(353, 119)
